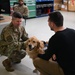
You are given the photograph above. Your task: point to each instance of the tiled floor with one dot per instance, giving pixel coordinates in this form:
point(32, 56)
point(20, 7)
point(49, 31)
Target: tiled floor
point(37, 27)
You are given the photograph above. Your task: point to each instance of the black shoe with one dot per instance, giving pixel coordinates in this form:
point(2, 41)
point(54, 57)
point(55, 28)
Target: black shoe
point(6, 63)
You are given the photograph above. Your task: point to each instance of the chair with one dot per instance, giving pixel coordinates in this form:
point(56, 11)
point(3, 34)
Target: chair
point(24, 17)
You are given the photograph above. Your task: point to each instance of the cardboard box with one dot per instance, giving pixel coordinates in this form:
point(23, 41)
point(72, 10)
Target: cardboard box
point(64, 7)
point(57, 1)
point(71, 6)
point(57, 6)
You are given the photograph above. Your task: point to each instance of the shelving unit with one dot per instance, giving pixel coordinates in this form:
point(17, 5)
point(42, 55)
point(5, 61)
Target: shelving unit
point(43, 7)
point(11, 5)
point(11, 2)
point(4, 7)
point(32, 7)
point(36, 7)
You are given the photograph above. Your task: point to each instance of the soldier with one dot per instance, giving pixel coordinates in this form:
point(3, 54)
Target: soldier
point(22, 8)
point(12, 42)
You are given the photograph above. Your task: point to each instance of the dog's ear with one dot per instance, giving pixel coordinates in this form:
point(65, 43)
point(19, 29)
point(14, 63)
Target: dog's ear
point(41, 44)
point(38, 45)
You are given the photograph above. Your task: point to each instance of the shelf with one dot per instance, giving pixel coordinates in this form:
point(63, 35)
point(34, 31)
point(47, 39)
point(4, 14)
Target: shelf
point(4, 7)
point(44, 7)
point(37, 7)
point(42, 15)
point(32, 7)
point(44, 0)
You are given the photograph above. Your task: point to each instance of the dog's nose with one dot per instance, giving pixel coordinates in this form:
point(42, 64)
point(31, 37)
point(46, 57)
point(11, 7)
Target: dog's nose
point(30, 46)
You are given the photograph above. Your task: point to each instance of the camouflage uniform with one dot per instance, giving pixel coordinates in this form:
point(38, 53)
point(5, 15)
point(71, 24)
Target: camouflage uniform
point(22, 9)
point(12, 40)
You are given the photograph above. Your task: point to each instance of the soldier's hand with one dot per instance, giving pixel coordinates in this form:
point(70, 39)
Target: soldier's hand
point(24, 45)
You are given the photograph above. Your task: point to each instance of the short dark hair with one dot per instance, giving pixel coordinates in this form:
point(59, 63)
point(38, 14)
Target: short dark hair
point(57, 18)
point(17, 15)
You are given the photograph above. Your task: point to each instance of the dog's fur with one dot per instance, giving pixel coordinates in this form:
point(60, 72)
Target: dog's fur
point(34, 47)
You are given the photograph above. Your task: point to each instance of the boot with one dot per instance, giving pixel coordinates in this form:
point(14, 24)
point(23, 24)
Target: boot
point(7, 64)
point(17, 62)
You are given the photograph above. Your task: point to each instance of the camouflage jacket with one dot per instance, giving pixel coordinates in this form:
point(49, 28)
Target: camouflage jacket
point(12, 39)
point(22, 9)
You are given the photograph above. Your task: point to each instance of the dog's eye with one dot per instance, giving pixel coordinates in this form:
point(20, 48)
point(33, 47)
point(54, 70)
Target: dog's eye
point(29, 40)
point(33, 41)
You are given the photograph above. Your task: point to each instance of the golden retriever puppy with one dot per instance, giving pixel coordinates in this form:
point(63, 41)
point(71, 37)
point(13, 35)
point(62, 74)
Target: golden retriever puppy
point(34, 47)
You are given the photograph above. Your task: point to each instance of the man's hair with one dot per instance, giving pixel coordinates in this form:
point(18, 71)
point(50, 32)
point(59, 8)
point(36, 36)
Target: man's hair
point(57, 18)
point(17, 15)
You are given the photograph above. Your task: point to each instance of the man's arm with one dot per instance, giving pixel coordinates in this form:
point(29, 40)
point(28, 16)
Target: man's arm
point(24, 34)
point(8, 38)
point(26, 11)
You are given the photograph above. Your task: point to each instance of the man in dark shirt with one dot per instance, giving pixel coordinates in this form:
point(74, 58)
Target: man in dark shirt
point(61, 48)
